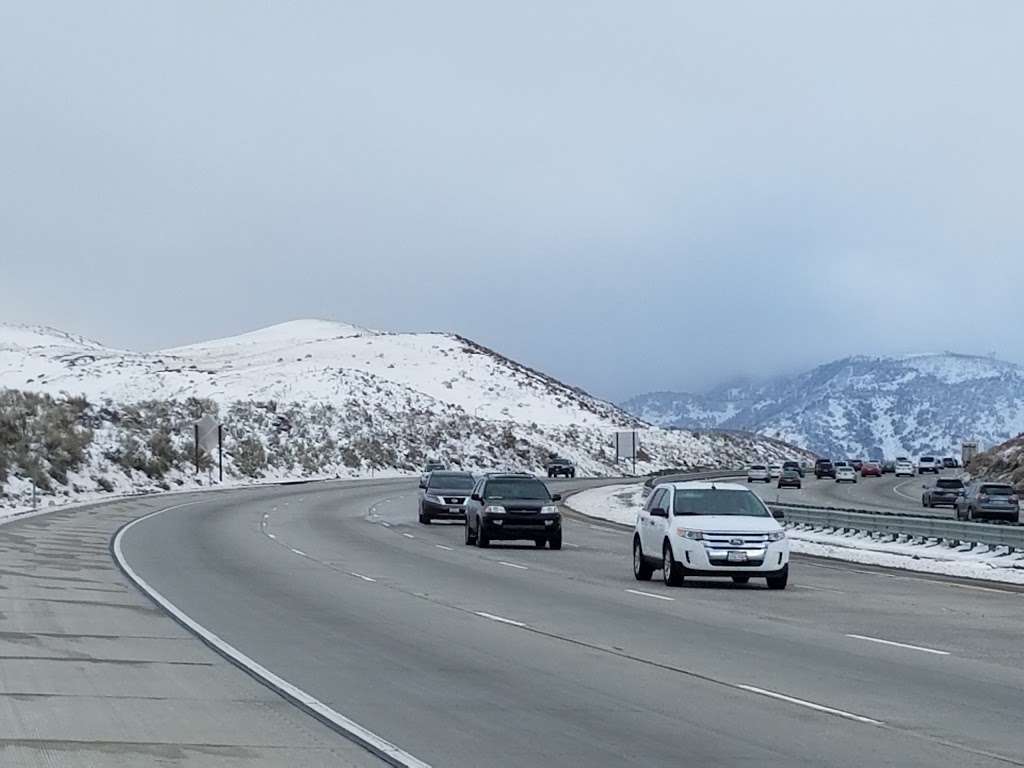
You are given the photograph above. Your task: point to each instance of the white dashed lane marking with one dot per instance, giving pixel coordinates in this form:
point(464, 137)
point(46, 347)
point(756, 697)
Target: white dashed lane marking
point(513, 565)
point(500, 619)
point(899, 645)
point(649, 594)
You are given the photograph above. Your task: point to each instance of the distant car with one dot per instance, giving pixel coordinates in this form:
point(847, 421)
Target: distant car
point(795, 465)
point(561, 467)
point(845, 474)
point(758, 473)
point(824, 468)
point(903, 468)
point(444, 496)
point(943, 493)
point(775, 470)
point(992, 501)
point(928, 464)
point(790, 478)
point(888, 467)
point(513, 506)
point(950, 463)
point(856, 464)
point(870, 469)
point(707, 529)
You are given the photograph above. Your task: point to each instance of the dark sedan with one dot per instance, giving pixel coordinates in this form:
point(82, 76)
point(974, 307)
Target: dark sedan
point(790, 478)
point(444, 496)
point(944, 493)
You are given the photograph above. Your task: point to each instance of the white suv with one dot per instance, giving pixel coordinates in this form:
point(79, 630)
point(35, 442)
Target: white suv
point(709, 529)
point(758, 472)
point(928, 464)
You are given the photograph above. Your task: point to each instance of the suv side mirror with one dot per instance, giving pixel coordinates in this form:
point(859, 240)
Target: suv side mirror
point(778, 514)
point(476, 497)
point(659, 512)
point(423, 483)
point(556, 497)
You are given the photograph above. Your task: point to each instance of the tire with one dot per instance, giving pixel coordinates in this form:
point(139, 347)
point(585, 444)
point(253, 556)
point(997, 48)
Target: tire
point(425, 519)
point(482, 539)
point(641, 569)
point(470, 536)
point(540, 542)
point(779, 582)
point(970, 514)
point(670, 569)
point(956, 511)
point(555, 540)
point(740, 579)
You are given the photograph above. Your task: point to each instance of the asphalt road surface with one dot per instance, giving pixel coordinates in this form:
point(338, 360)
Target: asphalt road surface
point(887, 493)
point(515, 656)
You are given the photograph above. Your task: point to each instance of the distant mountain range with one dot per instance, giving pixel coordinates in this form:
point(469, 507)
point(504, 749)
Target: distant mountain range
point(862, 406)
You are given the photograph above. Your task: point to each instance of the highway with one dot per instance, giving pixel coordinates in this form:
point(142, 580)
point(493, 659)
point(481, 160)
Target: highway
point(514, 656)
point(887, 493)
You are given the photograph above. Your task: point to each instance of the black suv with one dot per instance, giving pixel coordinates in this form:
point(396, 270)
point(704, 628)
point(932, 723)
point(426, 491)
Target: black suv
point(444, 495)
point(512, 506)
point(945, 491)
point(824, 468)
point(561, 467)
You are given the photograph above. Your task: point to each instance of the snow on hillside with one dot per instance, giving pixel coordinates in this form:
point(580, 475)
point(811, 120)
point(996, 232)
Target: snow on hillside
point(874, 406)
point(308, 398)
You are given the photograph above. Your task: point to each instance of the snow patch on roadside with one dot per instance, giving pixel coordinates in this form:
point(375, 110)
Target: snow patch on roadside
point(620, 503)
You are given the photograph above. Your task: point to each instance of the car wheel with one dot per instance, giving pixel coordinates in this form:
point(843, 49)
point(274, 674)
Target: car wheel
point(641, 569)
point(555, 540)
point(470, 536)
point(970, 514)
point(425, 519)
point(670, 569)
point(779, 581)
point(740, 579)
point(482, 539)
point(540, 542)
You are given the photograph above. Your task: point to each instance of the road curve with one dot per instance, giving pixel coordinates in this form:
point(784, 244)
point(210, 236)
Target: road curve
point(514, 656)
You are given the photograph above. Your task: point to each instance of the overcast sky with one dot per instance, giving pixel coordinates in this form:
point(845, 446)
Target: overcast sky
point(631, 196)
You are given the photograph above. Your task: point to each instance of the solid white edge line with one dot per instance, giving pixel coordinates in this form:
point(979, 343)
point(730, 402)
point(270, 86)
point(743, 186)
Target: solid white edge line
point(501, 619)
point(649, 594)
point(363, 736)
point(810, 705)
point(513, 565)
point(899, 645)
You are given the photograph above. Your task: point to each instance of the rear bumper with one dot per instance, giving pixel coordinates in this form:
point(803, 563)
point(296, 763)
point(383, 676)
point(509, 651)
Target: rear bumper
point(997, 513)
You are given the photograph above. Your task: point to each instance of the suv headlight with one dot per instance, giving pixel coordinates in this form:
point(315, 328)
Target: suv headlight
point(689, 534)
point(549, 509)
point(433, 498)
point(776, 536)
point(494, 509)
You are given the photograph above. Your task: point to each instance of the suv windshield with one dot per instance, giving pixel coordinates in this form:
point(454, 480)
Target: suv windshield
point(694, 501)
point(997, 490)
point(949, 484)
point(514, 488)
point(452, 482)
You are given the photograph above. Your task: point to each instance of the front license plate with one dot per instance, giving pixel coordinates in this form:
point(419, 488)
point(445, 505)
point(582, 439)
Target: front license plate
point(737, 557)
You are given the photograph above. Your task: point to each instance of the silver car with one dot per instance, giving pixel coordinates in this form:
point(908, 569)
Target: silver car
point(990, 501)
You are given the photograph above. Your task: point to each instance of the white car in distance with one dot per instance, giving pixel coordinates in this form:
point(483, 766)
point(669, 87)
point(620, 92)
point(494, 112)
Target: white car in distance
point(705, 529)
point(758, 473)
point(904, 468)
point(775, 471)
point(928, 464)
point(846, 474)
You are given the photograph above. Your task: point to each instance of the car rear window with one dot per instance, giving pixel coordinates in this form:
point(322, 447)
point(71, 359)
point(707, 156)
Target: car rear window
point(927, 458)
point(949, 484)
point(694, 501)
point(515, 488)
point(451, 482)
point(997, 490)
point(757, 466)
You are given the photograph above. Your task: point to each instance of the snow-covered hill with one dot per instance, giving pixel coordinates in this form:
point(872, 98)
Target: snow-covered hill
point(310, 397)
point(873, 406)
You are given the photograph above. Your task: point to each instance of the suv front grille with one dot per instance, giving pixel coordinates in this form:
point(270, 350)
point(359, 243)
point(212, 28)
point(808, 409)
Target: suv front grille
point(716, 540)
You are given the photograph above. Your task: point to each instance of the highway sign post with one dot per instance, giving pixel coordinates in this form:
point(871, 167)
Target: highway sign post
point(209, 434)
point(625, 447)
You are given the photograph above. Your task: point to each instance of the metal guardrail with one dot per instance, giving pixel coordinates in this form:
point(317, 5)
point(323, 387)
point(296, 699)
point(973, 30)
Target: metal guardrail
point(923, 529)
